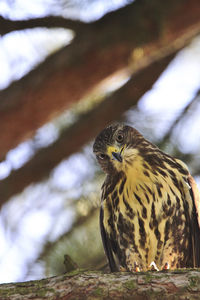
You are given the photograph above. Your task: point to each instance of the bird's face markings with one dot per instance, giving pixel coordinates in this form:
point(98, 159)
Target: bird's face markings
point(114, 147)
point(111, 158)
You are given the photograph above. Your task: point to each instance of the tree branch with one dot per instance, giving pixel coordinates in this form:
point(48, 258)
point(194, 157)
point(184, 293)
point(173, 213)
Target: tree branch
point(82, 131)
point(7, 26)
point(102, 48)
point(181, 115)
point(180, 284)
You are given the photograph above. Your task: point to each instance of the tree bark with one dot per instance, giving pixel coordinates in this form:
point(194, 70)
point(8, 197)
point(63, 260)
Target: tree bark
point(98, 50)
point(7, 26)
point(180, 284)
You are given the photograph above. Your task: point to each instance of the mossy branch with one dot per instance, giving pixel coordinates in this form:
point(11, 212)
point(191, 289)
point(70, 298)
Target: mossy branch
point(79, 284)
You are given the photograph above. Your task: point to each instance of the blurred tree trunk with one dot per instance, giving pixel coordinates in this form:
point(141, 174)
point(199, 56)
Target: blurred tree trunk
point(81, 131)
point(16, 109)
point(180, 284)
point(98, 50)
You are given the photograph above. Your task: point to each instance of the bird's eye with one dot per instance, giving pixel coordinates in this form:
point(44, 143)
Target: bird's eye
point(120, 138)
point(102, 156)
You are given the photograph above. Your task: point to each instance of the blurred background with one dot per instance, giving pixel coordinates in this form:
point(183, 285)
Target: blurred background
point(67, 69)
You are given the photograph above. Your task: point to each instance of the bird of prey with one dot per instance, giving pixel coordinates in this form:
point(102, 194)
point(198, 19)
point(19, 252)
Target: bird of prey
point(150, 205)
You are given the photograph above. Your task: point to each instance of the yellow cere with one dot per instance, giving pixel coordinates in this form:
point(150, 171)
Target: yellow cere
point(111, 149)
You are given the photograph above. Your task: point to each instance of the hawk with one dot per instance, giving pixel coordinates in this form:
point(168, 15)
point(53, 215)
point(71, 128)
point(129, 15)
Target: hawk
point(150, 205)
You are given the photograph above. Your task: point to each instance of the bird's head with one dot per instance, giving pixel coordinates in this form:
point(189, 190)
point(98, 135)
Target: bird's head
point(116, 146)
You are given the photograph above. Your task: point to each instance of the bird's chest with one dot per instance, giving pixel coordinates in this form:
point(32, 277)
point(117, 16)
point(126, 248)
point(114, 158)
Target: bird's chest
point(132, 204)
point(146, 222)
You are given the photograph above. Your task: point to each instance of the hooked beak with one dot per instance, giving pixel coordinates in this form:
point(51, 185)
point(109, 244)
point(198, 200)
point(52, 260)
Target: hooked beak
point(117, 156)
point(115, 153)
